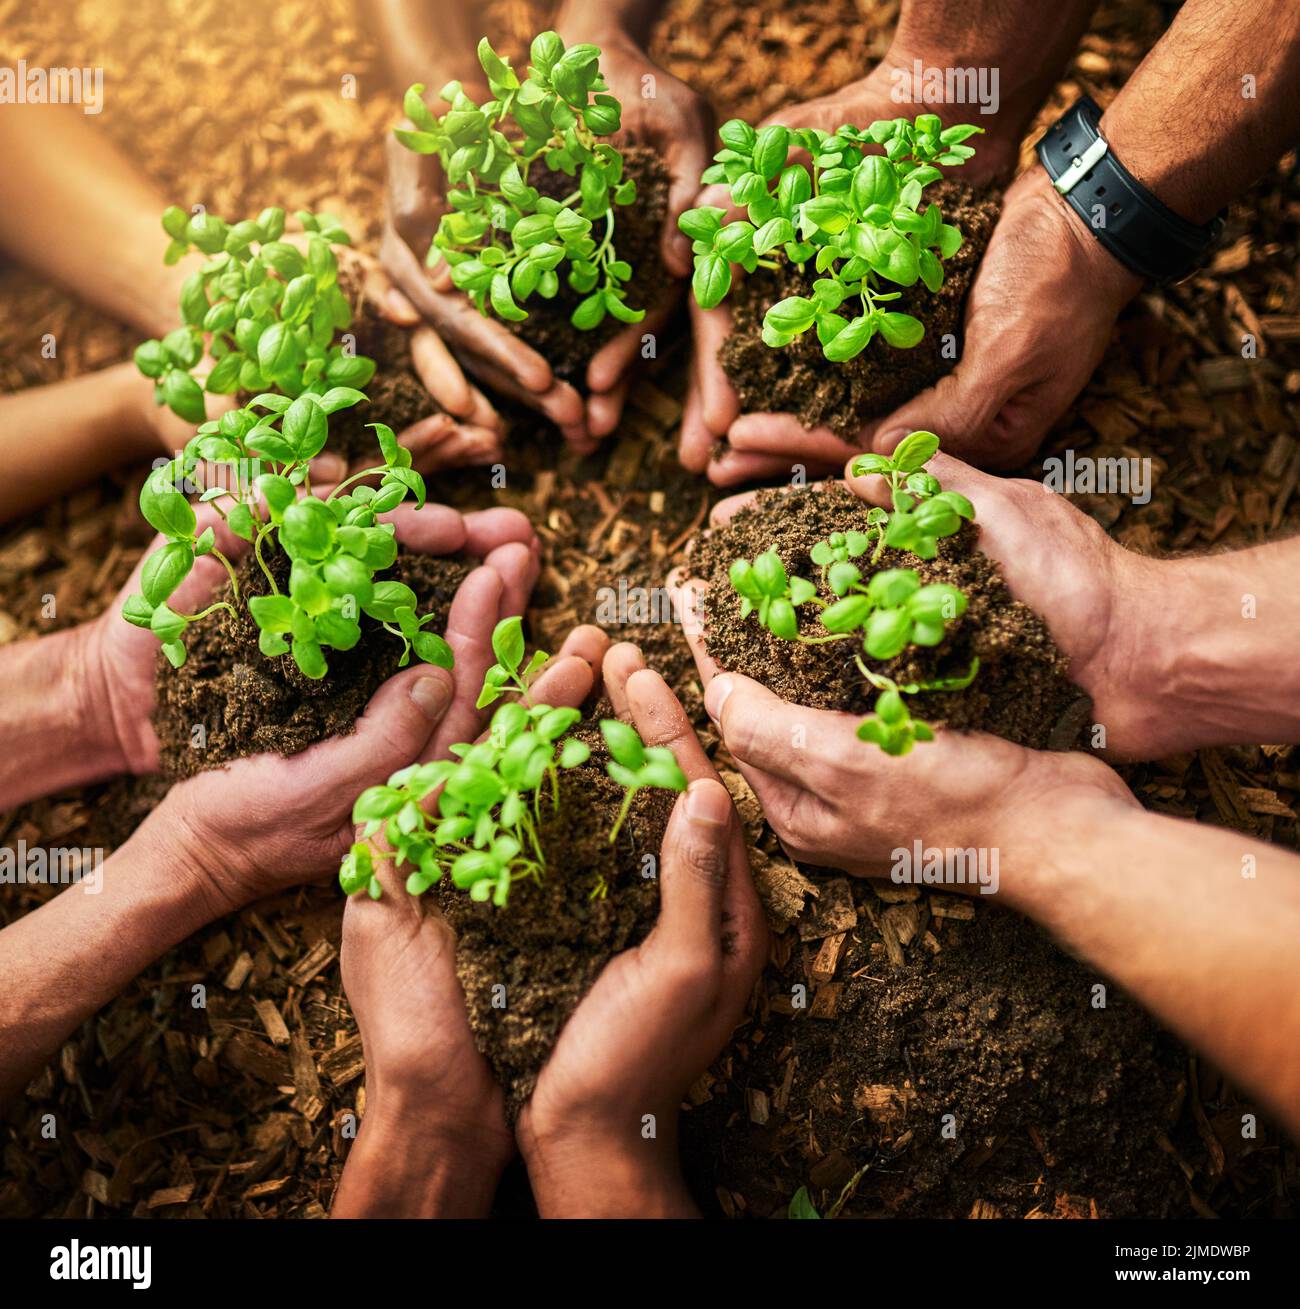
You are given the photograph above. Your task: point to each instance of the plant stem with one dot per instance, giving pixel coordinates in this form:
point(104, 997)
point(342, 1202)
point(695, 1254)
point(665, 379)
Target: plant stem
point(622, 813)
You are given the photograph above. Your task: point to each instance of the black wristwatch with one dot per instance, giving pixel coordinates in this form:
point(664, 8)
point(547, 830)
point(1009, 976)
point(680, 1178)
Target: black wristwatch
point(1143, 233)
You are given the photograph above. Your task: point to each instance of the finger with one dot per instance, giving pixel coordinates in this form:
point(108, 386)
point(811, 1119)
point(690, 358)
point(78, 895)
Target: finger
point(612, 360)
point(694, 862)
point(327, 469)
point(721, 405)
point(622, 660)
point(733, 467)
point(439, 441)
point(725, 510)
point(470, 622)
point(953, 474)
point(433, 530)
point(586, 642)
point(487, 529)
point(687, 595)
point(605, 409)
point(784, 434)
point(565, 682)
point(379, 290)
point(660, 720)
point(765, 732)
point(688, 159)
point(560, 402)
point(440, 373)
point(517, 567)
point(483, 415)
point(392, 733)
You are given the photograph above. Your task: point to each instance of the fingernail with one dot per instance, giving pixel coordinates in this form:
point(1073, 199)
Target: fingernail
point(330, 468)
point(716, 696)
point(399, 305)
point(708, 804)
point(884, 442)
point(433, 695)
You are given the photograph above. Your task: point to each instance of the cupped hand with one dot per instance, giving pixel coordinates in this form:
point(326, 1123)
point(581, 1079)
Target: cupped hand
point(599, 1133)
point(495, 355)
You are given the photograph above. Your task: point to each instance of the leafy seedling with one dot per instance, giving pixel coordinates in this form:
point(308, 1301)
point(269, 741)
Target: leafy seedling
point(475, 817)
point(887, 612)
point(857, 216)
point(335, 545)
point(503, 239)
point(269, 316)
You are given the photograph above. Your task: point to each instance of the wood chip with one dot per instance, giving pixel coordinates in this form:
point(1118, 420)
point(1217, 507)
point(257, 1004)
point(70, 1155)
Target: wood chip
point(831, 912)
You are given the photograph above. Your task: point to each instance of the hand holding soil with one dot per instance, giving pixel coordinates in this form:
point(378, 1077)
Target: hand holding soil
point(599, 1133)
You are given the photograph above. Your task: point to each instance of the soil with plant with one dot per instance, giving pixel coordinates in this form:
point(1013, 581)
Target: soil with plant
point(1023, 691)
point(799, 379)
point(638, 235)
point(548, 946)
point(248, 704)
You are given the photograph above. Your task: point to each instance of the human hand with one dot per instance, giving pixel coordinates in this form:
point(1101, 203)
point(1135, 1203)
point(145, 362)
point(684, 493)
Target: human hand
point(837, 802)
point(495, 355)
point(267, 820)
point(659, 1012)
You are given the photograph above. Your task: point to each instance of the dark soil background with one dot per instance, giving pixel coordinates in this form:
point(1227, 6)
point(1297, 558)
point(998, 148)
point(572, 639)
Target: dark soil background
point(919, 1007)
point(801, 380)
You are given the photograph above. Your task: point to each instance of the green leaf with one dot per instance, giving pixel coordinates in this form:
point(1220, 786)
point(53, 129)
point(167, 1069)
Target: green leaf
point(432, 649)
point(792, 315)
point(272, 613)
point(801, 1205)
point(508, 642)
point(712, 280)
point(138, 611)
point(624, 745)
point(770, 150)
point(901, 330)
point(851, 340)
point(888, 631)
point(165, 570)
point(183, 396)
point(776, 231)
point(311, 662)
point(165, 509)
point(846, 615)
point(914, 451)
point(702, 224)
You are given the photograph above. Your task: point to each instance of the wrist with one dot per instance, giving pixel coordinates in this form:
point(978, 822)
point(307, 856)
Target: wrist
point(408, 1163)
point(1143, 148)
point(605, 1172)
point(91, 718)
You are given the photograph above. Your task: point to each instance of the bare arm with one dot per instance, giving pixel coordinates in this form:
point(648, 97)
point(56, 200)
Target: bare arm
point(1200, 924)
point(1213, 104)
point(49, 153)
point(429, 43)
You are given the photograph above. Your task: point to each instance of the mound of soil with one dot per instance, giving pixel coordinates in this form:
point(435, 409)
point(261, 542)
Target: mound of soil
point(553, 938)
point(638, 228)
point(1022, 691)
point(800, 380)
point(977, 1072)
point(397, 396)
point(248, 704)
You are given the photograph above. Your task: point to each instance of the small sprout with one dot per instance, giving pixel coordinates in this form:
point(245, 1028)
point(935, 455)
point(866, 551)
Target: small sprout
point(857, 216)
point(503, 240)
point(801, 1205)
point(890, 611)
point(481, 827)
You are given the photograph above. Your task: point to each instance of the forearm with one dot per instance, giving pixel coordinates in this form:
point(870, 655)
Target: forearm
point(52, 737)
point(401, 1166)
point(1189, 125)
point(64, 961)
point(594, 20)
point(54, 438)
point(993, 35)
point(1213, 643)
point(49, 153)
point(430, 43)
point(1198, 923)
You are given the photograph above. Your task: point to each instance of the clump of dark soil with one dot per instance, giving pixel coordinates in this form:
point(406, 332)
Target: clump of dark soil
point(247, 704)
point(553, 938)
point(1061, 1093)
point(1022, 691)
point(638, 229)
point(396, 394)
point(799, 379)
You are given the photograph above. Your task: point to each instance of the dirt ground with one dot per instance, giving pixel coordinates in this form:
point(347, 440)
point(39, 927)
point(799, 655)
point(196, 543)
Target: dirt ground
point(921, 1006)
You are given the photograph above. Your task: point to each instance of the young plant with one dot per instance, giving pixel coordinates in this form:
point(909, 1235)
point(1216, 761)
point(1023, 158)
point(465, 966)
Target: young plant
point(857, 216)
point(482, 828)
point(503, 240)
point(335, 545)
point(887, 612)
point(266, 314)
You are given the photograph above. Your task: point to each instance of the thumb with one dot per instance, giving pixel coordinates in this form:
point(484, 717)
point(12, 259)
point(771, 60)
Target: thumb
point(689, 162)
point(696, 853)
point(959, 408)
point(395, 727)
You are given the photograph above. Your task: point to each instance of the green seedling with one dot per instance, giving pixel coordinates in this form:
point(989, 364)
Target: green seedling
point(267, 315)
point(335, 545)
point(887, 612)
point(503, 240)
point(481, 827)
point(857, 216)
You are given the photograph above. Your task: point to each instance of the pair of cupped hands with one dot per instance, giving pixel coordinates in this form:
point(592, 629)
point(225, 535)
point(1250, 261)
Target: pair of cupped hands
point(1023, 361)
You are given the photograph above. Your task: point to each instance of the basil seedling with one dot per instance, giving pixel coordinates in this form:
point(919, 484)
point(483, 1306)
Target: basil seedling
point(482, 828)
point(886, 612)
point(503, 240)
point(857, 216)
